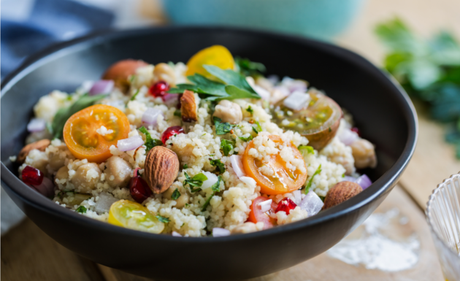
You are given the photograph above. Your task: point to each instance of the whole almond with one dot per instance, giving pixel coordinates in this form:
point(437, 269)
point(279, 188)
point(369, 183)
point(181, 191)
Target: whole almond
point(161, 168)
point(40, 145)
point(188, 107)
point(341, 192)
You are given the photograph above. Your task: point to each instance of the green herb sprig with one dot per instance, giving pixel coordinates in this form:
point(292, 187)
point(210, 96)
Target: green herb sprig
point(163, 219)
point(195, 181)
point(226, 146)
point(233, 85)
point(220, 167)
point(81, 209)
point(429, 70)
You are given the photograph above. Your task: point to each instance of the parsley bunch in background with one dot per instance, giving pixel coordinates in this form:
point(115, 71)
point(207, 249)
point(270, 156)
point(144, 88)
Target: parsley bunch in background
point(429, 70)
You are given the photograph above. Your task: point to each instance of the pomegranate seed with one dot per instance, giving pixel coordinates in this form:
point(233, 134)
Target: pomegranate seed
point(171, 131)
point(285, 205)
point(356, 130)
point(159, 89)
point(139, 189)
point(32, 176)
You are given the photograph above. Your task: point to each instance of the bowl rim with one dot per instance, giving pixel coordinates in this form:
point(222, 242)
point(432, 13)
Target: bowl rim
point(380, 187)
point(429, 210)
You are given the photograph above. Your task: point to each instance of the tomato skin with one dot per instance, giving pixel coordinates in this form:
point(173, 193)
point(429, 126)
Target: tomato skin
point(256, 215)
point(133, 215)
point(82, 139)
point(284, 181)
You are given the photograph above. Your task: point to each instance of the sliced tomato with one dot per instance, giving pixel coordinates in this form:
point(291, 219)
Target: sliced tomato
point(133, 215)
point(285, 180)
point(216, 55)
point(82, 138)
point(256, 215)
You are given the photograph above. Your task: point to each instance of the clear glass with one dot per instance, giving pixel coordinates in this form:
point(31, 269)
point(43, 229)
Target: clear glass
point(443, 215)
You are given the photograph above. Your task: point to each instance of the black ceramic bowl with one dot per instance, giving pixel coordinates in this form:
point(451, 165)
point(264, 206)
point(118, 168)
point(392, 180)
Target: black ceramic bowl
point(381, 109)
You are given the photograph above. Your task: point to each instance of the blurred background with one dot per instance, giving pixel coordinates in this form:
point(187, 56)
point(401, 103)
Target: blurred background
point(415, 40)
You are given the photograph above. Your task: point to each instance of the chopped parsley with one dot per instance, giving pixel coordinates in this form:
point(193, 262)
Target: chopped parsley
point(258, 128)
point(307, 188)
point(185, 166)
point(249, 138)
point(149, 141)
point(250, 110)
point(81, 209)
point(218, 164)
point(135, 95)
point(306, 149)
point(163, 219)
point(222, 128)
point(176, 194)
point(195, 181)
point(177, 113)
point(215, 188)
point(226, 146)
point(249, 68)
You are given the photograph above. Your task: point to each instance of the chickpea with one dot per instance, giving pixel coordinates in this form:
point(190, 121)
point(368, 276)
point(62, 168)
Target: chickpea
point(56, 160)
point(229, 112)
point(246, 227)
point(86, 177)
point(364, 154)
point(118, 172)
point(163, 72)
point(62, 173)
point(182, 200)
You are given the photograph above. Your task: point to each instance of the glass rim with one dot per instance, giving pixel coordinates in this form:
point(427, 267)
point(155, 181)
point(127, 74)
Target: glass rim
point(428, 213)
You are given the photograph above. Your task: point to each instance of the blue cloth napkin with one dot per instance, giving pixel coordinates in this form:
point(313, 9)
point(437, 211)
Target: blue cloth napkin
point(49, 21)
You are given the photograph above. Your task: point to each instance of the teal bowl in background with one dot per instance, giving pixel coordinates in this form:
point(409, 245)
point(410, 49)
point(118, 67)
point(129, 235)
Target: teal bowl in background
point(321, 19)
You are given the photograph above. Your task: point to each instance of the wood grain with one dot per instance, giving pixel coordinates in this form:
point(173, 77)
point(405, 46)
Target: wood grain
point(29, 254)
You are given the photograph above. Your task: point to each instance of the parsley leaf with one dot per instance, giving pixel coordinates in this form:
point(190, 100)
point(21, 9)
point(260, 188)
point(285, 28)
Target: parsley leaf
point(81, 209)
point(177, 113)
point(249, 68)
point(218, 164)
point(215, 188)
point(307, 188)
point(149, 141)
point(61, 116)
point(185, 166)
point(196, 181)
point(163, 219)
point(250, 110)
point(226, 146)
point(176, 194)
point(249, 138)
point(222, 128)
point(258, 128)
point(306, 149)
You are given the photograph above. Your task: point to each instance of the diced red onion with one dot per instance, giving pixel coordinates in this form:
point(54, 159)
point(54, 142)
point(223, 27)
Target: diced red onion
point(347, 136)
point(176, 234)
point(311, 203)
point(274, 79)
point(364, 181)
point(265, 205)
point(219, 232)
point(249, 181)
point(212, 179)
point(297, 100)
point(46, 187)
point(297, 86)
point(264, 94)
point(36, 125)
point(101, 87)
point(86, 86)
point(150, 116)
point(130, 143)
point(297, 196)
point(104, 202)
point(237, 165)
point(171, 100)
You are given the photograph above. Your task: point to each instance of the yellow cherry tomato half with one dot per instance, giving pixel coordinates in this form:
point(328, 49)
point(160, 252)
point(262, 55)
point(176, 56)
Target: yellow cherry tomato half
point(81, 132)
point(284, 179)
point(129, 214)
point(216, 55)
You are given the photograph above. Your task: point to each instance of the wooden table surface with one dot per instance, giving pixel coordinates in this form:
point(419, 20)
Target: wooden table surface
point(29, 254)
